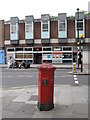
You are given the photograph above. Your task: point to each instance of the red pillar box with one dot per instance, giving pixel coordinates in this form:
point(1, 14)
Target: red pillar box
point(45, 87)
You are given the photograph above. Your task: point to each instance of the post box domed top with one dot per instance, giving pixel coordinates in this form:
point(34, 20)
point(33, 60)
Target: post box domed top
point(46, 65)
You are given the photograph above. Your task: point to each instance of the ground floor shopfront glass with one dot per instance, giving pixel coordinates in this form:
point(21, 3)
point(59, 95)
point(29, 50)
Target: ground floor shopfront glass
point(38, 55)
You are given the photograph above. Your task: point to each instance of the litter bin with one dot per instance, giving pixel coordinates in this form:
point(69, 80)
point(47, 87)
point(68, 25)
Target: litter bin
point(45, 87)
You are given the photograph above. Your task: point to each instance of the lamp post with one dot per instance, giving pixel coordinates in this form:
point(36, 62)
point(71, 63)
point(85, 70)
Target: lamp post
point(78, 33)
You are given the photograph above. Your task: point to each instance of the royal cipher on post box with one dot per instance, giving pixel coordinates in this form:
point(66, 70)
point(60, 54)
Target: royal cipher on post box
point(45, 87)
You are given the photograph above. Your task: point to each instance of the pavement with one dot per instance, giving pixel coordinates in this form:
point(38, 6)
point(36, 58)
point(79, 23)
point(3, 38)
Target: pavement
point(21, 102)
point(35, 65)
point(63, 66)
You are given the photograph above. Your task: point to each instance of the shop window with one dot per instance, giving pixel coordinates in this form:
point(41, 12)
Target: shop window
point(19, 49)
point(28, 49)
point(26, 55)
point(46, 49)
point(37, 49)
point(67, 55)
point(57, 48)
point(67, 48)
point(20, 55)
point(10, 50)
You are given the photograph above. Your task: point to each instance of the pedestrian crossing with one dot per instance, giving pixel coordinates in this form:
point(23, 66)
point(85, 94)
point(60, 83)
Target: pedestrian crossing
point(76, 82)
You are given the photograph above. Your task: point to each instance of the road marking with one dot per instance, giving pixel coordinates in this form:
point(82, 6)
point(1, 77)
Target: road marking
point(34, 76)
point(76, 82)
point(20, 76)
point(64, 76)
point(74, 75)
point(8, 76)
point(75, 78)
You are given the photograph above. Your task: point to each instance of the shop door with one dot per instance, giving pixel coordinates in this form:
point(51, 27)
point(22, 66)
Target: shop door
point(75, 57)
point(37, 58)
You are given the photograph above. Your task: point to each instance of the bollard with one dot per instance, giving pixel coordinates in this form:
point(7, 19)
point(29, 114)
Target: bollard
point(74, 67)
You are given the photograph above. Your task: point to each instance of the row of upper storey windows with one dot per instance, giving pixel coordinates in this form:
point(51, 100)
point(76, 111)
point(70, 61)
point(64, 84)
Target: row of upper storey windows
point(45, 27)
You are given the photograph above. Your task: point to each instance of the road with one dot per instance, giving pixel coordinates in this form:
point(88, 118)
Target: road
point(24, 77)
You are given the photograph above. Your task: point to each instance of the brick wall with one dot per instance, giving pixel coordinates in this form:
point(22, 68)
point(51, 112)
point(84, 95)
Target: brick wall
point(54, 29)
point(37, 30)
point(71, 28)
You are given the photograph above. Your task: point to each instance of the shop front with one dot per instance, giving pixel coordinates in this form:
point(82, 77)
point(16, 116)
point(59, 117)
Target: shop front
point(39, 55)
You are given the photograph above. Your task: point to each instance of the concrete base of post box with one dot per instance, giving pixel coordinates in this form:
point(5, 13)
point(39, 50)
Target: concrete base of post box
point(43, 107)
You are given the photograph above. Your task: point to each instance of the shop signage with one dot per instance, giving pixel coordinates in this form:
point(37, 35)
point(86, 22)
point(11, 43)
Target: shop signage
point(56, 52)
point(62, 40)
point(57, 49)
point(45, 41)
point(15, 42)
point(29, 41)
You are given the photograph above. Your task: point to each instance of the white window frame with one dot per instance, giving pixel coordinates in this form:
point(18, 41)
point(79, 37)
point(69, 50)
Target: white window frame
point(13, 28)
point(30, 27)
point(45, 23)
point(83, 27)
point(16, 30)
point(65, 27)
point(46, 31)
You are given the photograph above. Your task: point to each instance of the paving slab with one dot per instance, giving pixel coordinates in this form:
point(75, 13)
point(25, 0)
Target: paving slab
point(13, 107)
point(22, 115)
point(23, 97)
point(43, 114)
point(70, 101)
point(6, 100)
point(4, 93)
point(7, 114)
point(79, 95)
point(34, 98)
point(62, 116)
point(80, 108)
point(80, 115)
point(28, 108)
point(63, 110)
point(65, 96)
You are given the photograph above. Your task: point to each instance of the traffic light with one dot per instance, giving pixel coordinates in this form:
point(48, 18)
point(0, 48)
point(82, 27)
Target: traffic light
point(78, 43)
point(81, 36)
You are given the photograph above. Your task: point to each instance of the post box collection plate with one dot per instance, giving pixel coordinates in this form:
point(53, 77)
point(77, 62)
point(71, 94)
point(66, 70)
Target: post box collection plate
point(44, 82)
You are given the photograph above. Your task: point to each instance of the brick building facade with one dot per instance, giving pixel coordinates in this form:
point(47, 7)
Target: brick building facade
point(52, 39)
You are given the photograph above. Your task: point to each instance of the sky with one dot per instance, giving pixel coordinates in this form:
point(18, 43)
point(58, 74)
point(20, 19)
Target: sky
point(22, 8)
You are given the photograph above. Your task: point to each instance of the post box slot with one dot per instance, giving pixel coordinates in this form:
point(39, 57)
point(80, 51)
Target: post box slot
point(44, 82)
